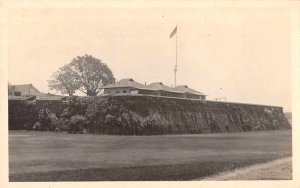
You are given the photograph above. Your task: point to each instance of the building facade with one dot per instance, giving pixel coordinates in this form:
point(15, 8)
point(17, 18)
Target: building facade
point(131, 87)
point(25, 90)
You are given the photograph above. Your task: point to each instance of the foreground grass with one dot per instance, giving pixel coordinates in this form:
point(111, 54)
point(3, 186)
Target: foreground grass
point(46, 156)
point(173, 172)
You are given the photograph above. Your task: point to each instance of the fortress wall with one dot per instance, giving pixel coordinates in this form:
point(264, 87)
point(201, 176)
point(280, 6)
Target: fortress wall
point(142, 115)
point(21, 114)
point(145, 115)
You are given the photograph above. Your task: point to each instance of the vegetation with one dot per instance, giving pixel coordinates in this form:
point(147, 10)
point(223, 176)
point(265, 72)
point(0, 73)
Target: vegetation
point(45, 156)
point(63, 81)
point(85, 73)
point(77, 124)
point(174, 172)
point(126, 116)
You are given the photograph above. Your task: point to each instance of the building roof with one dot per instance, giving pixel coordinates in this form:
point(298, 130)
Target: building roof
point(20, 98)
point(28, 89)
point(47, 97)
point(125, 83)
point(161, 87)
point(158, 86)
point(186, 89)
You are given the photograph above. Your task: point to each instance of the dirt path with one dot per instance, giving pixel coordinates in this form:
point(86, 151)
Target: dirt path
point(280, 169)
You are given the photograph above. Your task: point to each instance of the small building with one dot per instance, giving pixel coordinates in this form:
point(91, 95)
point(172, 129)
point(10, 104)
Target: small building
point(131, 87)
point(190, 93)
point(25, 90)
point(163, 90)
point(127, 86)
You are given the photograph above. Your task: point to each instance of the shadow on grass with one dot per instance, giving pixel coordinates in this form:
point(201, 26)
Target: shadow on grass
point(172, 172)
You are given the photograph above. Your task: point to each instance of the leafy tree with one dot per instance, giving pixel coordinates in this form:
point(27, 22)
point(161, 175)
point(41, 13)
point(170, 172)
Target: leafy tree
point(64, 81)
point(85, 73)
point(91, 74)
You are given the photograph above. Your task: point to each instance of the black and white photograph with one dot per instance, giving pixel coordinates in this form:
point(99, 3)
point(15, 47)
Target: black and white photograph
point(129, 91)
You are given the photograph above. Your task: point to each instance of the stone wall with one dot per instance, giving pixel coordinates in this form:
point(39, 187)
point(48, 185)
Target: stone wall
point(144, 115)
point(158, 115)
point(21, 114)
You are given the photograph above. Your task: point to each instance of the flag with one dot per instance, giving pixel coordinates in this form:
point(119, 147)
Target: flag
point(173, 32)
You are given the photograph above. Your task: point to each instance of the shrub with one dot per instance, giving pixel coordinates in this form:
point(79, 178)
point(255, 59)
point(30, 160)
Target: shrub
point(47, 121)
point(77, 124)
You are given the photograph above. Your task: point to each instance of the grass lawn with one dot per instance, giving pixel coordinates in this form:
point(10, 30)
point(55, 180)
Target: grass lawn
point(48, 156)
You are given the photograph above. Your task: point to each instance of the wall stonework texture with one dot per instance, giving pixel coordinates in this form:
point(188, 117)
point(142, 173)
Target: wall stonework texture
point(145, 115)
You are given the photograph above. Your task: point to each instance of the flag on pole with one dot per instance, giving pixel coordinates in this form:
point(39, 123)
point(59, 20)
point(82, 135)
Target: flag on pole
point(173, 32)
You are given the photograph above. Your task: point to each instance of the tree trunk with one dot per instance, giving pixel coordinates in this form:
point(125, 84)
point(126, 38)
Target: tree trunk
point(91, 93)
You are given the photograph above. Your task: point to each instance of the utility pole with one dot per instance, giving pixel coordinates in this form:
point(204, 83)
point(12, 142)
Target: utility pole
point(175, 69)
point(174, 32)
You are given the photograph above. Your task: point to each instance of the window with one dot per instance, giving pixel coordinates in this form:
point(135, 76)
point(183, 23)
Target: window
point(124, 91)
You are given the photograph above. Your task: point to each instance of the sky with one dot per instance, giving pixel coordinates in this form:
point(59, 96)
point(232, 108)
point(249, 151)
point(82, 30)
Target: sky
point(244, 51)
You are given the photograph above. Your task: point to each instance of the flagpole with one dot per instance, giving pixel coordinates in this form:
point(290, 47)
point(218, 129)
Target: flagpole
point(175, 70)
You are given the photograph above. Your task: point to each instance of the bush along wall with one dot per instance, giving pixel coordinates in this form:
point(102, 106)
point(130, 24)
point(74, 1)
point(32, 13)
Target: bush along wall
point(145, 115)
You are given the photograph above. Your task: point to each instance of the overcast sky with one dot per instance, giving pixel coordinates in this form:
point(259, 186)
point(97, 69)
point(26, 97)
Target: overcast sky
point(244, 51)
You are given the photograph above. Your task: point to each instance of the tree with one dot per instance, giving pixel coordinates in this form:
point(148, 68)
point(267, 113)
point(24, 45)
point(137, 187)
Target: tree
point(91, 74)
point(64, 81)
point(85, 73)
